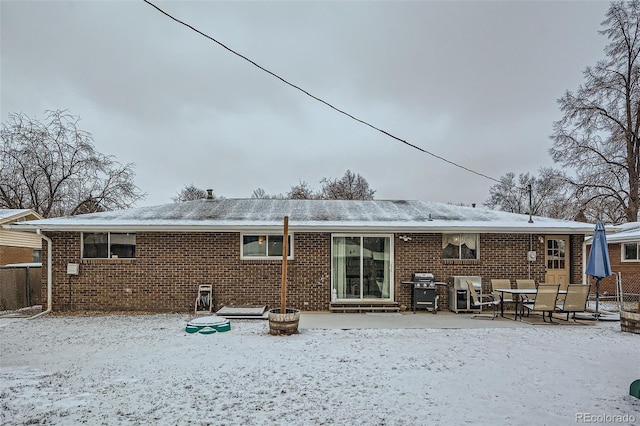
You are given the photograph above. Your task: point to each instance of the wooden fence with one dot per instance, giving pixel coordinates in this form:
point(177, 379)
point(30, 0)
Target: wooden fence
point(20, 287)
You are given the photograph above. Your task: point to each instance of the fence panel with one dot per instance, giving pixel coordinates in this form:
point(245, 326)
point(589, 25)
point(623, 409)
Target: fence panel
point(20, 287)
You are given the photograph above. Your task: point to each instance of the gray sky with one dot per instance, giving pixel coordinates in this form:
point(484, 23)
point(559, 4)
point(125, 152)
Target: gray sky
point(474, 82)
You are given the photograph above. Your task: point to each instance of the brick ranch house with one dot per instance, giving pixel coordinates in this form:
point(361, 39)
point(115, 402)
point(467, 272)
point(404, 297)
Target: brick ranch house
point(353, 252)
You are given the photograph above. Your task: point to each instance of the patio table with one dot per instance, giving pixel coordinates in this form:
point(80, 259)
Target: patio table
point(518, 292)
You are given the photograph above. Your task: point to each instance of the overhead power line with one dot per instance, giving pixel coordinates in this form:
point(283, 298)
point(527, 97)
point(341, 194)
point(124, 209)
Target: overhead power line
point(439, 157)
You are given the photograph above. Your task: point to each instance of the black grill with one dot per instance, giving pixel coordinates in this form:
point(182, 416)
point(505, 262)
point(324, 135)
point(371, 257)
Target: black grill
point(424, 293)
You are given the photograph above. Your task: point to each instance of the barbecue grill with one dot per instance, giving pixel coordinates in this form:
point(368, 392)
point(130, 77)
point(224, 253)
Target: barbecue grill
point(424, 293)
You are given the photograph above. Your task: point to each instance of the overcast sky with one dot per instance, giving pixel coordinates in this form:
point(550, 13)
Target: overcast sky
point(474, 82)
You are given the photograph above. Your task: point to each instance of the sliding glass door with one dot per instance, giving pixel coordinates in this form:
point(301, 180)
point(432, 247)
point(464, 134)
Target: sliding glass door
point(361, 267)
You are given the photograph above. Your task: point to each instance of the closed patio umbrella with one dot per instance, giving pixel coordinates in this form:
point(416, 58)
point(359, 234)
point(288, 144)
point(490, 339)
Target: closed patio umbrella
point(598, 264)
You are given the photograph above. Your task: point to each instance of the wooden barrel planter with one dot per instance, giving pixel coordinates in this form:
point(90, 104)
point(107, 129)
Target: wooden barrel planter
point(284, 324)
point(630, 322)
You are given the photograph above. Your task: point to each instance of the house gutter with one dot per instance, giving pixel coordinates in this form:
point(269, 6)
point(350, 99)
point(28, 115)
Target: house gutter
point(49, 276)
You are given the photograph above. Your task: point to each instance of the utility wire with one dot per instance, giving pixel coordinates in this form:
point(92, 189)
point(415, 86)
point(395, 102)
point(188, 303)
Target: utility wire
point(321, 100)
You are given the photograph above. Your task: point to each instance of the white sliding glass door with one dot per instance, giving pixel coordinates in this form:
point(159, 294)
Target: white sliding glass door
point(361, 267)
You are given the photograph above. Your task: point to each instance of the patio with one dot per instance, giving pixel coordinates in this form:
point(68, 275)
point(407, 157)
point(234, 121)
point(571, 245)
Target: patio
point(427, 320)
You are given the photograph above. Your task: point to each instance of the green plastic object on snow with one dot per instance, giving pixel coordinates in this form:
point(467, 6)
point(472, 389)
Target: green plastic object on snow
point(192, 329)
point(208, 325)
point(634, 389)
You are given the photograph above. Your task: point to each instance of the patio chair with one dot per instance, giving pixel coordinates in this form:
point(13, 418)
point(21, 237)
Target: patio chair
point(478, 304)
point(574, 301)
point(526, 284)
point(545, 300)
point(497, 295)
point(563, 286)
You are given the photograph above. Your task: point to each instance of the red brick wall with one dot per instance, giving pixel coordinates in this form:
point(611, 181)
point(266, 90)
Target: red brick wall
point(575, 243)
point(501, 256)
point(10, 255)
point(169, 267)
point(629, 271)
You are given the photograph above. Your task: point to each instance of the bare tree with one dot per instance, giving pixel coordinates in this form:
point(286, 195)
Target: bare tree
point(259, 193)
point(553, 196)
point(508, 195)
point(598, 137)
point(348, 187)
point(550, 195)
point(190, 193)
point(301, 191)
point(53, 168)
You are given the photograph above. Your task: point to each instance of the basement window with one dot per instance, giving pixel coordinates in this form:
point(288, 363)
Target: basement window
point(108, 245)
point(264, 246)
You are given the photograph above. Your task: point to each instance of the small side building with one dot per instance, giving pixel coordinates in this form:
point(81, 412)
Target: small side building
point(18, 247)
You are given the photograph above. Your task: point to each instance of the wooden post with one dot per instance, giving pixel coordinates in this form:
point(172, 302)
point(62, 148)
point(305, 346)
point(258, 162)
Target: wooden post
point(283, 287)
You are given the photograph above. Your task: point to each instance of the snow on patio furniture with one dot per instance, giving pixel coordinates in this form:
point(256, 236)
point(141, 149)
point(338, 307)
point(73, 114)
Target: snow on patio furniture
point(574, 301)
point(477, 303)
point(546, 299)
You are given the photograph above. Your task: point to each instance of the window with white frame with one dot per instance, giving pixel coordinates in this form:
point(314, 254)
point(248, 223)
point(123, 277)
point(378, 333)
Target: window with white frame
point(108, 245)
point(460, 246)
point(631, 252)
point(262, 246)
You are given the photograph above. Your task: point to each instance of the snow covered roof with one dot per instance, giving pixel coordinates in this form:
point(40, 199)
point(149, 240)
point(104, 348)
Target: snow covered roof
point(9, 215)
point(308, 215)
point(629, 232)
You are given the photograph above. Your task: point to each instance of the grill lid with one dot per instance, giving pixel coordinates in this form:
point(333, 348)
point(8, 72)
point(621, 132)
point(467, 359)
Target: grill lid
point(422, 277)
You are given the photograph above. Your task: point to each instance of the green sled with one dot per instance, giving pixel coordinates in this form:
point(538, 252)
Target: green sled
point(634, 389)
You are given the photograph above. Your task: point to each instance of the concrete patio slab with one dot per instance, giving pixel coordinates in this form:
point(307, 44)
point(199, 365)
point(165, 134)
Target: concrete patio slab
point(325, 320)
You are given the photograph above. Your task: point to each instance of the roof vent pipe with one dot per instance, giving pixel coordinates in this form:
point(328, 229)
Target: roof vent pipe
point(209, 194)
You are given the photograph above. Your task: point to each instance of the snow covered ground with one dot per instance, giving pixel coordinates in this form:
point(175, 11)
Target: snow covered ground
point(134, 370)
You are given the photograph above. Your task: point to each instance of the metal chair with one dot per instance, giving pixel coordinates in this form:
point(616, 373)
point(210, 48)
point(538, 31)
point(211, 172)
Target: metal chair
point(526, 284)
point(545, 300)
point(475, 301)
point(575, 300)
point(497, 295)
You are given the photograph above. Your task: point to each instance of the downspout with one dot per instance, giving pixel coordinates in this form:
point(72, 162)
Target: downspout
point(584, 261)
point(529, 260)
point(49, 276)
